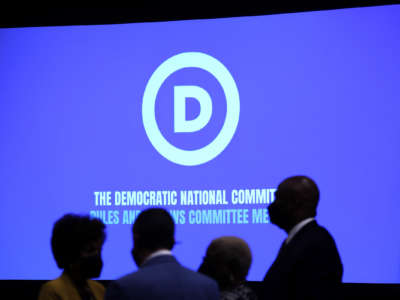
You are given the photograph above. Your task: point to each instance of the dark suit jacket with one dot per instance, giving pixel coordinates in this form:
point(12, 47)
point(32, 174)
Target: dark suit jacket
point(162, 277)
point(308, 267)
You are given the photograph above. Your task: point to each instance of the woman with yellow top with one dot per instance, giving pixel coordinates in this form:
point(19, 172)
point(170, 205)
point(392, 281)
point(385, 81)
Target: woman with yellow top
point(76, 243)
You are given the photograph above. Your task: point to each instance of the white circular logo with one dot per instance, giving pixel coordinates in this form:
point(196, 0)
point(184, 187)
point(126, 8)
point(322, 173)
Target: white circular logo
point(221, 73)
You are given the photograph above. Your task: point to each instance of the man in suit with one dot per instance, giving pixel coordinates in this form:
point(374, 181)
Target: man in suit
point(308, 265)
point(160, 276)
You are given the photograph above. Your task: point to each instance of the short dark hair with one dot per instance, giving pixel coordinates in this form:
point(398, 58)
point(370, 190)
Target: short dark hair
point(154, 229)
point(70, 235)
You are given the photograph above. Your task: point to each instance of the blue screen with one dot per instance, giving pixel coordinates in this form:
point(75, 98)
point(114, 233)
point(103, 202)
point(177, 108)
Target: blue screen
point(204, 118)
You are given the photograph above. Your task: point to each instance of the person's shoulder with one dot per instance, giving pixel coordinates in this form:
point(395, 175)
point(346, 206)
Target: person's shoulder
point(148, 274)
point(136, 279)
point(52, 289)
point(144, 277)
point(318, 239)
point(52, 285)
point(202, 284)
point(97, 288)
point(324, 233)
point(313, 229)
point(128, 277)
point(198, 277)
point(96, 284)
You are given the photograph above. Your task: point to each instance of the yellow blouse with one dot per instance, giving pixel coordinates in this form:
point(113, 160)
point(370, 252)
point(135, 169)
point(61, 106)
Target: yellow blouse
point(62, 288)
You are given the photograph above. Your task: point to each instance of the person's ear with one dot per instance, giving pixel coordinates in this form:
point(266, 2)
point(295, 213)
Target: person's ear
point(294, 203)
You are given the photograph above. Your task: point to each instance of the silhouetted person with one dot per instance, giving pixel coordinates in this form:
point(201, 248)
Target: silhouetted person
point(308, 265)
point(228, 260)
point(76, 243)
point(160, 276)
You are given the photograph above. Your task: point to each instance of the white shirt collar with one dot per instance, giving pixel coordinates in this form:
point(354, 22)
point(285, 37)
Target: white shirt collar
point(297, 228)
point(158, 253)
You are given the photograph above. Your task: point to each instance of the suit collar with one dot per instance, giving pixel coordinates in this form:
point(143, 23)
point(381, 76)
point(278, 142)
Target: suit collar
point(302, 230)
point(161, 259)
point(158, 253)
point(286, 246)
point(297, 228)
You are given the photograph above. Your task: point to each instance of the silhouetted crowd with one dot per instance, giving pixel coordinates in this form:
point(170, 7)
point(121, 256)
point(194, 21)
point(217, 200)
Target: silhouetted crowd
point(307, 266)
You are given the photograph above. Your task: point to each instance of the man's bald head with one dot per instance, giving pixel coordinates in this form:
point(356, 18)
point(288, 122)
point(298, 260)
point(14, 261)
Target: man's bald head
point(303, 191)
point(296, 199)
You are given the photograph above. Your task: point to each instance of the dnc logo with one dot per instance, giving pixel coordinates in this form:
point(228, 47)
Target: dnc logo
point(183, 92)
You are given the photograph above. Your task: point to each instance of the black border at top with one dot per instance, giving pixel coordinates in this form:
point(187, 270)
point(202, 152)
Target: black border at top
point(155, 12)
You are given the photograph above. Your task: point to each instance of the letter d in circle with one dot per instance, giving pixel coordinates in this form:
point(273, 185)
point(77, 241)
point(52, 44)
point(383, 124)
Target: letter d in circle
point(181, 93)
point(175, 63)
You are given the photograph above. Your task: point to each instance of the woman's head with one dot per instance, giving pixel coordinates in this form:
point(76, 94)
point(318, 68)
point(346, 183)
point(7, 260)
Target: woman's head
point(76, 243)
point(228, 260)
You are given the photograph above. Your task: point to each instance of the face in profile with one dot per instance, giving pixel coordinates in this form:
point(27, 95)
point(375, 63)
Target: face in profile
point(90, 262)
point(138, 253)
point(295, 200)
point(280, 210)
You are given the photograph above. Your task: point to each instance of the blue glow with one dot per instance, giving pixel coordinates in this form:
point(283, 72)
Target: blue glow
point(319, 95)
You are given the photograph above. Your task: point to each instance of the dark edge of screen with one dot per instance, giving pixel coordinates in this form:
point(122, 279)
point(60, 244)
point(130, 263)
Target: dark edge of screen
point(106, 282)
point(172, 12)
